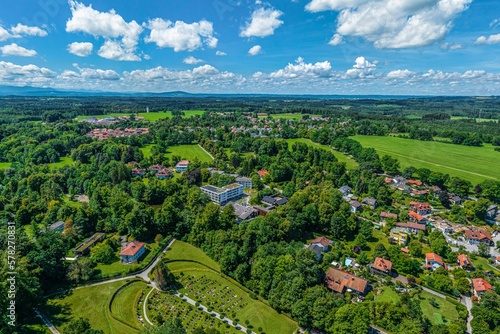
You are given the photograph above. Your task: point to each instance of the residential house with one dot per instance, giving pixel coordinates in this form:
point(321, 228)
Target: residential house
point(243, 212)
point(474, 236)
point(355, 206)
point(84, 247)
point(345, 190)
point(386, 215)
point(415, 183)
point(436, 190)
point(388, 180)
point(370, 201)
point(262, 173)
point(399, 181)
point(341, 281)
point(398, 235)
point(182, 166)
point(246, 182)
point(381, 266)
point(156, 168)
point(275, 200)
point(323, 242)
point(416, 218)
point(138, 172)
point(224, 194)
point(262, 210)
point(434, 261)
point(419, 193)
point(497, 260)
point(411, 227)
point(164, 174)
point(132, 251)
point(421, 208)
point(317, 249)
point(464, 262)
point(480, 286)
point(455, 199)
point(492, 212)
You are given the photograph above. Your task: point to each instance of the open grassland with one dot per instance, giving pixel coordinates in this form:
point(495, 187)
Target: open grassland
point(478, 120)
point(123, 305)
point(341, 157)
point(474, 164)
point(187, 152)
point(92, 303)
point(151, 116)
point(4, 165)
point(63, 161)
point(201, 280)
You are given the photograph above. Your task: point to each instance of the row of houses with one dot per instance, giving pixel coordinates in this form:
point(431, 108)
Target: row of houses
point(161, 171)
point(103, 133)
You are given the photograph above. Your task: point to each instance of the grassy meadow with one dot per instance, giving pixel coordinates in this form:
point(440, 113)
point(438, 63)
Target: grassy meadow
point(474, 164)
point(188, 152)
point(151, 116)
point(341, 157)
point(4, 165)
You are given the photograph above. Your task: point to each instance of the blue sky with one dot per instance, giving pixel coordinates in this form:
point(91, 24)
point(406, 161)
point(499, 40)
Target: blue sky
point(401, 47)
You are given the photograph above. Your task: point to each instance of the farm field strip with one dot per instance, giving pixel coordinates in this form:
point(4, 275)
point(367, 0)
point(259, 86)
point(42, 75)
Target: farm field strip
point(474, 164)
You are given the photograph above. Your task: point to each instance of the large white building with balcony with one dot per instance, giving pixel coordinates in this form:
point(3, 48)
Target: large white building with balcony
point(224, 194)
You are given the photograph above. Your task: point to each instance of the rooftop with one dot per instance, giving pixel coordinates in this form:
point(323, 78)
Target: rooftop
point(132, 248)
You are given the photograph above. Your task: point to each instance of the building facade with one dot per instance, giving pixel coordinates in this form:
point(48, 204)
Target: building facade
point(224, 194)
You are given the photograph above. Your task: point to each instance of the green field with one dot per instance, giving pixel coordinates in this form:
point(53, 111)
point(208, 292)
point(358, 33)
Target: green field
point(478, 120)
point(123, 306)
point(288, 116)
point(474, 164)
point(188, 152)
point(151, 116)
point(388, 295)
point(63, 161)
point(200, 279)
point(4, 165)
point(93, 303)
point(341, 157)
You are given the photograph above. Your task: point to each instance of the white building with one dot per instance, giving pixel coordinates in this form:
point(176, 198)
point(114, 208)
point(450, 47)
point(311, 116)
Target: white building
point(182, 166)
point(246, 182)
point(224, 194)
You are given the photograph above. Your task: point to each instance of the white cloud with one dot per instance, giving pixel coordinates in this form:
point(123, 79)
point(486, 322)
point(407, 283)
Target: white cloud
point(450, 46)
point(492, 39)
point(109, 25)
point(263, 23)
point(116, 51)
point(16, 50)
point(400, 74)
point(205, 70)
point(301, 69)
point(97, 74)
point(220, 53)
point(22, 29)
point(4, 34)
point(394, 23)
point(192, 60)
point(22, 75)
point(181, 36)
point(80, 49)
point(336, 40)
point(362, 68)
point(255, 50)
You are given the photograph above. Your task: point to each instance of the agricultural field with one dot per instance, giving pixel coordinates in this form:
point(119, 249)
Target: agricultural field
point(341, 157)
point(474, 164)
point(95, 303)
point(200, 279)
point(151, 116)
point(188, 152)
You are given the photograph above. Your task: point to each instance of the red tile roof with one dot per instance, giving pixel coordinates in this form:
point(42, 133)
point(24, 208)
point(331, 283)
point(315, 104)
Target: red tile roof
point(420, 206)
point(478, 234)
point(321, 240)
point(415, 182)
point(415, 215)
point(463, 260)
point(481, 285)
point(263, 172)
point(132, 248)
point(183, 162)
point(337, 280)
point(433, 257)
point(405, 250)
point(388, 215)
point(382, 264)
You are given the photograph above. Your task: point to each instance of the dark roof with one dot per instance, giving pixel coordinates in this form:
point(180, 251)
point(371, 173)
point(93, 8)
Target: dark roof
point(275, 200)
point(369, 201)
point(316, 248)
point(355, 204)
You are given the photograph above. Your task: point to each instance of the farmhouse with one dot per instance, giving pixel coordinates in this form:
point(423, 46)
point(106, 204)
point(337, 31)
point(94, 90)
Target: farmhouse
point(421, 208)
point(480, 286)
point(434, 261)
point(132, 252)
point(182, 166)
point(84, 247)
point(224, 194)
point(341, 281)
point(381, 266)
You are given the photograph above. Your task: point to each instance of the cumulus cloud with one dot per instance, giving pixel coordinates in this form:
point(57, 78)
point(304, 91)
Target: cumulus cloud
point(255, 50)
point(301, 69)
point(97, 74)
point(22, 75)
point(336, 40)
point(16, 50)
point(450, 46)
point(80, 49)
point(400, 74)
point(220, 53)
point(362, 68)
point(394, 23)
point(205, 70)
point(192, 60)
point(262, 23)
point(492, 39)
point(4, 34)
point(121, 37)
point(180, 35)
point(23, 30)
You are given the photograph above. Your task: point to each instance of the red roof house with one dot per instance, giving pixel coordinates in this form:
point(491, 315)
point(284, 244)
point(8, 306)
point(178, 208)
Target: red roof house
point(434, 261)
point(340, 281)
point(480, 286)
point(132, 252)
point(381, 266)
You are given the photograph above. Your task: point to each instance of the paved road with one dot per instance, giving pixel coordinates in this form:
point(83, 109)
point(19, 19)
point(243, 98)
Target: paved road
point(144, 307)
point(467, 301)
point(47, 322)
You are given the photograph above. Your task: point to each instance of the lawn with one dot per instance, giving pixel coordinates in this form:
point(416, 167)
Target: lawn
point(151, 116)
point(201, 280)
point(91, 303)
point(123, 308)
point(4, 165)
point(187, 152)
point(474, 164)
point(341, 157)
point(388, 295)
point(485, 264)
point(63, 161)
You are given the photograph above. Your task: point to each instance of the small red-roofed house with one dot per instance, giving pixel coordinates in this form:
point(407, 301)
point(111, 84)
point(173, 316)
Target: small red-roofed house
point(262, 173)
point(464, 262)
point(132, 252)
point(381, 266)
point(416, 218)
point(480, 286)
point(434, 261)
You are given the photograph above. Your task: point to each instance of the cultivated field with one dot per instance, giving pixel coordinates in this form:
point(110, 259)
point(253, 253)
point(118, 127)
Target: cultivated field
point(151, 116)
point(95, 304)
point(201, 280)
point(341, 157)
point(474, 164)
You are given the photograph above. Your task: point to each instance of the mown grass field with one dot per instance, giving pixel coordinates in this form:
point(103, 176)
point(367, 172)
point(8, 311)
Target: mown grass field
point(341, 157)
point(4, 165)
point(474, 164)
point(91, 303)
point(123, 306)
point(188, 152)
point(256, 312)
point(151, 116)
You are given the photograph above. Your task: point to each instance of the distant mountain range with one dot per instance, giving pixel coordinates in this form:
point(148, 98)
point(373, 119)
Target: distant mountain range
point(36, 91)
